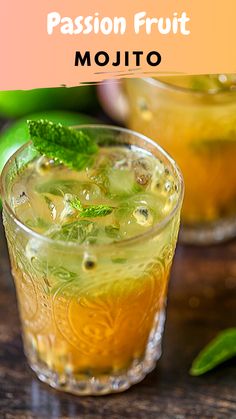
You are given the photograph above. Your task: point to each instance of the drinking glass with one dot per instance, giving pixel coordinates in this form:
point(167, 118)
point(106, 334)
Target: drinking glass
point(92, 331)
point(198, 128)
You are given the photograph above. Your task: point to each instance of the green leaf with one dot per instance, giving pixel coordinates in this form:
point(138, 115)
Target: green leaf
point(112, 231)
point(222, 348)
point(96, 211)
point(72, 147)
point(76, 204)
point(77, 231)
point(90, 211)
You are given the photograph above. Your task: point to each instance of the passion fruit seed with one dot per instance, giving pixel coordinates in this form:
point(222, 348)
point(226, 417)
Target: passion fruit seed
point(142, 179)
point(143, 216)
point(89, 262)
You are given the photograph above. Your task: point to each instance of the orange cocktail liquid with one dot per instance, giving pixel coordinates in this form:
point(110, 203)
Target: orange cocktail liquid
point(99, 329)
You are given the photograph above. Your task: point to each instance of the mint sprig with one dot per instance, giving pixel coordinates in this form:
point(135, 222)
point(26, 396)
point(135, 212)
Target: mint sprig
point(91, 211)
point(220, 349)
point(67, 145)
point(78, 231)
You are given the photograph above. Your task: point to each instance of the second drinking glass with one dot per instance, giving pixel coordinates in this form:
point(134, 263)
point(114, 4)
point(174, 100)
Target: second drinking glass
point(194, 119)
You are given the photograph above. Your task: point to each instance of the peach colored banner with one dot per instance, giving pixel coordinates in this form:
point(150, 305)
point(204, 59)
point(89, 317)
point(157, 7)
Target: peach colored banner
point(31, 57)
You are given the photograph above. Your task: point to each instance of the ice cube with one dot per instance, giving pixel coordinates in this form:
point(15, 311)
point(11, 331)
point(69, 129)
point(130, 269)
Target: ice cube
point(68, 211)
point(121, 182)
point(51, 207)
point(122, 161)
point(99, 178)
point(90, 191)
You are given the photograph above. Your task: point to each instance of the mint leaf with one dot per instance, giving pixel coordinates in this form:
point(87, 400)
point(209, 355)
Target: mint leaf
point(76, 204)
point(112, 231)
point(72, 147)
point(90, 211)
point(220, 349)
point(77, 231)
point(96, 211)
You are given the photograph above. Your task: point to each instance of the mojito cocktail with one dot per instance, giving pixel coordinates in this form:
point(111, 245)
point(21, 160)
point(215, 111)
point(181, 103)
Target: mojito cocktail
point(194, 119)
point(91, 252)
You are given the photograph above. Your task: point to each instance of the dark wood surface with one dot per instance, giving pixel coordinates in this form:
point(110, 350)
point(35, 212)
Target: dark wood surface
point(202, 301)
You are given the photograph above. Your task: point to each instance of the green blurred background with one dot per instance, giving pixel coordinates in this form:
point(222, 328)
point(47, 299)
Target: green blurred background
point(70, 106)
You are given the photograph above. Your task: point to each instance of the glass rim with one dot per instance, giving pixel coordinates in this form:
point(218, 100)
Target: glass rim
point(71, 244)
point(186, 90)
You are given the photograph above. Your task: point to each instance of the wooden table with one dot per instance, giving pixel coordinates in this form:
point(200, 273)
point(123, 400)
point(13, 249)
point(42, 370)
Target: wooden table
point(202, 301)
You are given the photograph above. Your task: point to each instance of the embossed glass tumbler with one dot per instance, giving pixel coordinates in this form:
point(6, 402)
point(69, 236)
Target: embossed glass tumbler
point(94, 331)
